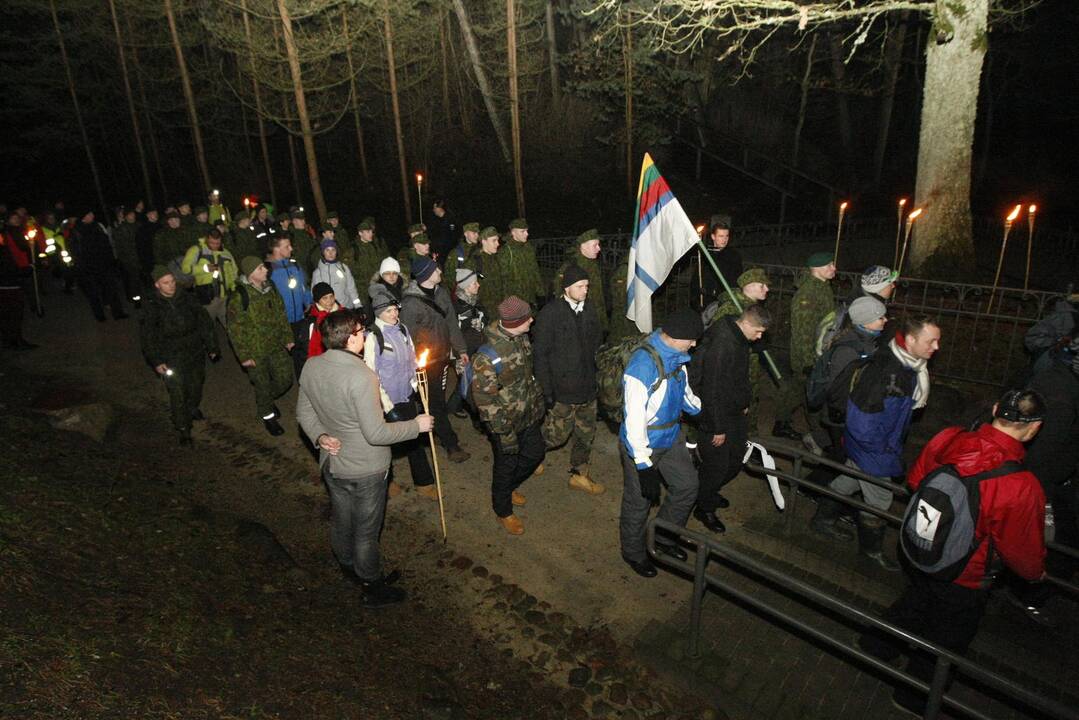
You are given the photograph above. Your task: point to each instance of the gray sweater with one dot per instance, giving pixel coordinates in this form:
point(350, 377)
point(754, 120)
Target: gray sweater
point(339, 397)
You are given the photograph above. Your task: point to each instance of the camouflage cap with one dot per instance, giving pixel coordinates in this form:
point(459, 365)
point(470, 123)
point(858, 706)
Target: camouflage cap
point(249, 264)
point(519, 224)
point(587, 236)
point(159, 272)
point(471, 227)
point(200, 210)
point(368, 223)
point(753, 275)
point(298, 215)
point(487, 232)
point(416, 228)
point(332, 215)
point(819, 259)
point(420, 239)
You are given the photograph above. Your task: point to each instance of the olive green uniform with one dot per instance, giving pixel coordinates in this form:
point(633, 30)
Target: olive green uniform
point(304, 249)
point(492, 277)
point(458, 258)
point(244, 242)
point(127, 254)
point(620, 326)
point(811, 302)
point(363, 258)
point(178, 332)
point(521, 273)
point(596, 296)
point(170, 245)
point(259, 331)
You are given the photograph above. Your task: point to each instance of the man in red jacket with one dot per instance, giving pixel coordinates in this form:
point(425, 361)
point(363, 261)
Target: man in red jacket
point(1010, 531)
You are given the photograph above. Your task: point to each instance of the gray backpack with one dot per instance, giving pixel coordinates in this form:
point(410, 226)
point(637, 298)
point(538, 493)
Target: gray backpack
point(938, 531)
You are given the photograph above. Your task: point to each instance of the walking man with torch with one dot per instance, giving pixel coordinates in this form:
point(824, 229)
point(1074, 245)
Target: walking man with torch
point(340, 411)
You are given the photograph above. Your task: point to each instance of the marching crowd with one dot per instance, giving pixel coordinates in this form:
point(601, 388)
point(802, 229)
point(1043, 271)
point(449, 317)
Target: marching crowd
point(535, 366)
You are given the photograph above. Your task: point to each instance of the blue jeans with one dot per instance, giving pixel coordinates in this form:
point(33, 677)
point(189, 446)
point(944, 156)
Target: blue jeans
point(358, 508)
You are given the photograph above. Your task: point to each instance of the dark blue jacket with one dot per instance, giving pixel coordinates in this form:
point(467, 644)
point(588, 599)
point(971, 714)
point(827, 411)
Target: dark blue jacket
point(291, 283)
point(878, 414)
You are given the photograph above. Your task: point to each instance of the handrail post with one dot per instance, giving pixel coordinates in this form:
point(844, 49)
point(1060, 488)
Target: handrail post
point(693, 647)
point(936, 690)
point(793, 499)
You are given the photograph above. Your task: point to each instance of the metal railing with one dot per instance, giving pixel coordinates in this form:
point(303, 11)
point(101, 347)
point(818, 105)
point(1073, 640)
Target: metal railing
point(800, 457)
point(707, 547)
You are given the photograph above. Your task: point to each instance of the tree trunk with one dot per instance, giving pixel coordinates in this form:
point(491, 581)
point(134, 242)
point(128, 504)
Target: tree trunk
point(355, 99)
point(627, 60)
point(982, 162)
point(946, 139)
point(297, 194)
point(442, 21)
point(131, 105)
point(515, 105)
point(893, 59)
point(481, 78)
point(552, 57)
point(846, 133)
point(803, 102)
point(149, 116)
point(301, 110)
point(259, 111)
point(466, 107)
point(394, 101)
point(246, 128)
point(78, 112)
point(189, 97)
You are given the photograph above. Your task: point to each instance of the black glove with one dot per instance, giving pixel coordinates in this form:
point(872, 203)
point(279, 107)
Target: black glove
point(393, 416)
point(650, 478)
point(548, 402)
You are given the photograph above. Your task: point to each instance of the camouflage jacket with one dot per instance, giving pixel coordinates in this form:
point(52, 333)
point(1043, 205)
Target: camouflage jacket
point(521, 273)
point(123, 241)
point(492, 280)
point(363, 258)
point(256, 321)
point(170, 244)
point(458, 258)
point(811, 302)
point(405, 256)
point(596, 296)
point(620, 327)
point(305, 250)
point(245, 242)
point(509, 400)
point(176, 329)
point(727, 306)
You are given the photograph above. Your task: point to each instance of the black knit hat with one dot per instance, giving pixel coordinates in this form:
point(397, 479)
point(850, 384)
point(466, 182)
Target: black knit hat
point(574, 273)
point(684, 324)
point(320, 290)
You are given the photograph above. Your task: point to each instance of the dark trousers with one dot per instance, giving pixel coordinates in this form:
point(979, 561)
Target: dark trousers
point(413, 449)
point(719, 465)
point(102, 289)
point(185, 388)
point(271, 378)
point(12, 306)
point(834, 426)
point(357, 510)
point(300, 330)
point(512, 469)
point(436, 372)
point(943, 613)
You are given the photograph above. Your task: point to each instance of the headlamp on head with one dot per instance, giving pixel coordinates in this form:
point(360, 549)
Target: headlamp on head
point(1008, 408)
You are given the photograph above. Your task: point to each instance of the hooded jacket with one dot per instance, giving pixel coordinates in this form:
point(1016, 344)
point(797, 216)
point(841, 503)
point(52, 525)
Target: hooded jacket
point(337, 275)
point(432, 321)
point(1012, 507)
point(291, 282)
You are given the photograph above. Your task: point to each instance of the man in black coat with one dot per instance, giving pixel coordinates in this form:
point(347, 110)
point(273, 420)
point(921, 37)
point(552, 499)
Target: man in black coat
point(720, 373)
point(705, 286)
point(144, 247)
point(95, 268)
point(566, 336)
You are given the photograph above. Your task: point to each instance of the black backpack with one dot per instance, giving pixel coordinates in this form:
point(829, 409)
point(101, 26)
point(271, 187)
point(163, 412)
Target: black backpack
point(832, 385)
point(938, 531)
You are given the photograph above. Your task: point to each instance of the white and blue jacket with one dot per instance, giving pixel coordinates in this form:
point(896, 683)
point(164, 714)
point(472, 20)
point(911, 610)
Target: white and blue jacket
point(291, 283)
point(651, 419)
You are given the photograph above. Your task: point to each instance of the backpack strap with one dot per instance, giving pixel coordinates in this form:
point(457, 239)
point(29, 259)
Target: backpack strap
point(662, 375)
point(496, 361)
point(1001, 470)
point(379, 337)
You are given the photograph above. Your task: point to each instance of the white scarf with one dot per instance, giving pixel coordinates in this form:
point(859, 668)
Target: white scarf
point(578, 307)
point(919, 365)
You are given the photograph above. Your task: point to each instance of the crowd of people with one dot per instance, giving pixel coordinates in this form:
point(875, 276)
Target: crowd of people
point(526, 362)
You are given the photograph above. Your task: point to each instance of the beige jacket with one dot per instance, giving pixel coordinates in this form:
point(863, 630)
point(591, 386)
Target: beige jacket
point(339, 396)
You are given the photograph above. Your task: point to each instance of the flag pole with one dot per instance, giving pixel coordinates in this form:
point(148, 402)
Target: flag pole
point(730, 293)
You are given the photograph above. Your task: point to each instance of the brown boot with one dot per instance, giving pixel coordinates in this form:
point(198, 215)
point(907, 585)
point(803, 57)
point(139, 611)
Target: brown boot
point(457, 455)
point(512, 524)
point(428, 491)
point(580, 481)
point(518, 499)
point(393, 490)
point(538, 471)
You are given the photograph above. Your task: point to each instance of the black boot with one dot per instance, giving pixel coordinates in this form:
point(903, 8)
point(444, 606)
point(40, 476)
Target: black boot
point(379, 593)
point(185, 438)
point(824, 521)
point(871, 541)
point(784, 430)
point(273, 427)
point(196, 414)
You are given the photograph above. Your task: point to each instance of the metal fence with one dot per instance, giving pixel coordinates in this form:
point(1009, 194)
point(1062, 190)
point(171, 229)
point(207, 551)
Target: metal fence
point(980, 343)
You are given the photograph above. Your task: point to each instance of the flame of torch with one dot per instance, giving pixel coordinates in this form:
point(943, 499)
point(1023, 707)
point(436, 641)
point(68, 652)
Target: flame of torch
point(1013, 214)
point(419, 178)
point(914, 215)
point(700, 229)
point(843, 206)
point(902, 202)
point(421, 361)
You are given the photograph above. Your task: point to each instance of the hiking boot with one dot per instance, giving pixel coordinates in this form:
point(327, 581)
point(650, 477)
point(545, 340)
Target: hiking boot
point(709, 520)
point(671, 551)
point(428, 491)
point(581, 482)
point(457, 455)
point(393, 489)
point(811, 444)
point(1034, 613)
point(196, 414)
point(644, 568)
point(517, 498)
point(721, 502)
point(379, 593)
point(784, 430)
point(871, 542)
point(273, 427)
point(538, 471)
point(512, 524)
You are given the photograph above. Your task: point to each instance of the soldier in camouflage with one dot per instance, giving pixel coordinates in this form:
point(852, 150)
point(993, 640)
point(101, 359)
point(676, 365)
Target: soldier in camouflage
point(585, 254)
point(510, 403)
point(458, 256)
point(620, 326)
point(262, 339)
point(419, 247)
point(365, 253)
point(811, 302)
point(487, 262)
point(521, 270)
point(170, 242)
point(124, 243)
point(199, 227)
point(304, 246)
point(243, 239)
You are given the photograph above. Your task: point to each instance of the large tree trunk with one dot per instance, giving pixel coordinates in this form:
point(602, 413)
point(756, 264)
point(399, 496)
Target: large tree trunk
point(552, 57)
point(462, 95)
point(259, 111)
point(846, 133)
point(515, 104)
point(893, 58)
point(131, 105)
point(355, 91)
point(627, 60)
point(189, 97)
point(481, 78)
point(78, 112)
point(444, 50)
point(301, 109)
point(150, 132)
point(395, 102)
point(945, 142)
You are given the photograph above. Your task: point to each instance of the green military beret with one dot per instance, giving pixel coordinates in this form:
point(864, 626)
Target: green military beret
point(368, 223)
point(587, 236)
point(751, 276)
point(416, 228)
point(250, 264)
point(159, 272)
point(519, 224)
point(282, 217)
point(298, 215)
point(471, 227)
point(200, 210)
point(819, 259)
point(487, 232)
point(420, 239)
point(332, 215)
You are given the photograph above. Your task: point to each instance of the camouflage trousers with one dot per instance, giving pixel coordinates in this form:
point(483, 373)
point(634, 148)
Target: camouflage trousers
point(564, 420)
point(184, 386)
point(271, 378)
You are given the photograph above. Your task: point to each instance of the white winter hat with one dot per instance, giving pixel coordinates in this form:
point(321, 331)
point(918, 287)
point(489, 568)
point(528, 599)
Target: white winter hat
point(389, 265)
